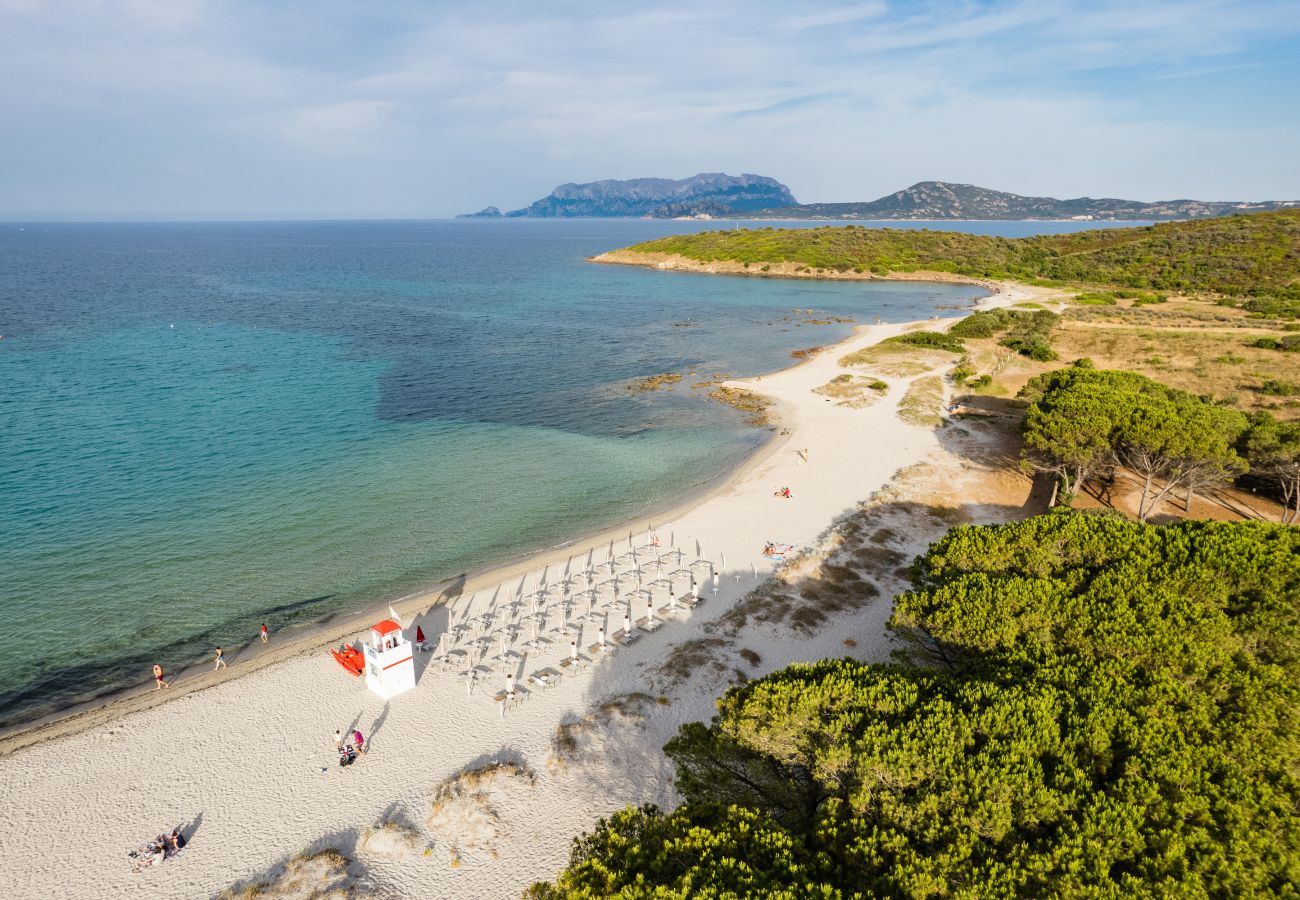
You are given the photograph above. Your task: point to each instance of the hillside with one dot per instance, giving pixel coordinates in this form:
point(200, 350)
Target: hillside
point(712, 194)
point(1250, 256)
point(942, 200)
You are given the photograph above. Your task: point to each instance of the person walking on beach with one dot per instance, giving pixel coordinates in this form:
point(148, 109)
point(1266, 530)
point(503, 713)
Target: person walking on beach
point(338, 739)
point(158, 677)
point(221, 661)
point(264, 635)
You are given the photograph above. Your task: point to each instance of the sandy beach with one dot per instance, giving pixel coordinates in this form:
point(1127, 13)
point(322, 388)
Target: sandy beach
point(246, 760)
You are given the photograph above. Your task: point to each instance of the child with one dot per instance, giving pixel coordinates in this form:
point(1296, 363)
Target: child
point(263, 632)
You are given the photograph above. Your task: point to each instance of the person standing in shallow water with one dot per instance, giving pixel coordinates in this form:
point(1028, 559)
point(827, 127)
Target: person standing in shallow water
point(158, 677)
point(221, 661)
point(264, 636)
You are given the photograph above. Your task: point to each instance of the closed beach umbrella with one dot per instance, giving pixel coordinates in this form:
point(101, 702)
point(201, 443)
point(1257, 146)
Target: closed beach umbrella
point(573, 649)
point(627, 624)
point(602, 637)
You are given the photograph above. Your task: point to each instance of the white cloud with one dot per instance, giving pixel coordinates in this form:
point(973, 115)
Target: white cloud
point(276, 106)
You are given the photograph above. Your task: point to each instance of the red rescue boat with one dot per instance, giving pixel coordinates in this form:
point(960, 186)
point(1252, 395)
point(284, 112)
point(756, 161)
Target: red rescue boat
point(350, 658)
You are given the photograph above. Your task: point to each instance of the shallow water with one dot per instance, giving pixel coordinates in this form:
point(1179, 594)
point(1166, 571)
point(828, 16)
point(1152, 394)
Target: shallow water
point(207, 426)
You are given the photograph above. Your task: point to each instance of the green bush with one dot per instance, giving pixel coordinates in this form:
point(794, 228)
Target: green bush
point(1099, 298)
point(1107, 709)
point(933, 340)
point(1249, 258)
point(1276, 387)
point(1029, 335)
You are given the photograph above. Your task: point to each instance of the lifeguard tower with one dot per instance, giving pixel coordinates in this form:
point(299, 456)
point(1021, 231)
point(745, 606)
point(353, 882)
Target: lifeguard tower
point(390, 664)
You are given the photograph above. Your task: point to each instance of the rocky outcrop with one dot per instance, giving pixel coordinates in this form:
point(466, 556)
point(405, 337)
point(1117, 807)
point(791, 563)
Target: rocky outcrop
point(711, 194)
point(943, 200)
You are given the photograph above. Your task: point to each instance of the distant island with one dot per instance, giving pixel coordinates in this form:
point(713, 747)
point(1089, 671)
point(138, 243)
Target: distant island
point(718, 196)
point(710, 194)
point(943, 200)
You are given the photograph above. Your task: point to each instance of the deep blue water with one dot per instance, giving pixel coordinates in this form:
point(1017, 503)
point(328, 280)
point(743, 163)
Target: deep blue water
point(204, 426)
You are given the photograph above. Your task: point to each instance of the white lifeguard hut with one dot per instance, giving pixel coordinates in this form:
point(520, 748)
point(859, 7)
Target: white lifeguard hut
point(390, 664)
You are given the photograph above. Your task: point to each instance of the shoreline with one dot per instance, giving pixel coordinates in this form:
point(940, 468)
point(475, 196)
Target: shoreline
point(675, 262)
point(245, 760)
point(337, 626)
point(318, 635)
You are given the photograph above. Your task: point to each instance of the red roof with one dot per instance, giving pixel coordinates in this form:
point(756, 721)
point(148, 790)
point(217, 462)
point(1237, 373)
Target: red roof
point(388, 626)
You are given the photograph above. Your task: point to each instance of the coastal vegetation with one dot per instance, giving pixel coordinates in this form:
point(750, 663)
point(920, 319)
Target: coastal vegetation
point(1250, 260)
point(1081, 421)
point(921, 404)
point(1105, 708)
point(854, 391)
point(1200, 347)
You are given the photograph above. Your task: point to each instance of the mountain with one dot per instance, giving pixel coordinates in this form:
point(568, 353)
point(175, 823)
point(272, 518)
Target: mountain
point(708, 194)
point(487, 212)
point(942, 200)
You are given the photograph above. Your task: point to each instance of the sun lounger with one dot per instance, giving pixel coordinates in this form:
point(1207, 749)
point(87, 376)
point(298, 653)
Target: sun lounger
point(649, 624)
point(626, 638)
point(544, 678)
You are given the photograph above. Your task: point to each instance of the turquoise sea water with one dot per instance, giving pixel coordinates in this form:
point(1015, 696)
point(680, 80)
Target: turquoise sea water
point(203, 427)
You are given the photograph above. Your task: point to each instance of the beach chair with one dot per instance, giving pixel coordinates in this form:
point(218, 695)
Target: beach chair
point(649, 624)
point(569, 664)
point(544, 678)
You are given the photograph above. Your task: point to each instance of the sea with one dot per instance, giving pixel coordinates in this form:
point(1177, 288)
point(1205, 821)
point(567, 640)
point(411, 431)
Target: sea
point(205, 427)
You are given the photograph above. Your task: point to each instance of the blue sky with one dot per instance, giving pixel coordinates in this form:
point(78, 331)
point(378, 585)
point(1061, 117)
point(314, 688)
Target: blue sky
point(299, 109)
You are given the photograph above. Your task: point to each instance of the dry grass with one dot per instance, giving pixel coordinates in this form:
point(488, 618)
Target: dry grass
point(1203, 356)
point(569, 740)
point(897, 360)
point(922, 403)
point(316, 875)
point(853, 391)
point(475, 779)
point(392, 839)
point(689, 657)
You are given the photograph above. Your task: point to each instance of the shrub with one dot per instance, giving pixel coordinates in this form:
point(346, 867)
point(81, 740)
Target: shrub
point(1276, 387)
point(932, 340)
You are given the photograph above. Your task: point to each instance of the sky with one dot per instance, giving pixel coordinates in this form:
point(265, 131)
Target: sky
point(302, 109)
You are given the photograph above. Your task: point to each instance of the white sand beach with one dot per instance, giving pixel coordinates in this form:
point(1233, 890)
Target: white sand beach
point(250, 767)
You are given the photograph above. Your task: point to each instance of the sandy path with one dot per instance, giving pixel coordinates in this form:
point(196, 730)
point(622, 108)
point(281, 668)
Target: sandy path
point(243, 759)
